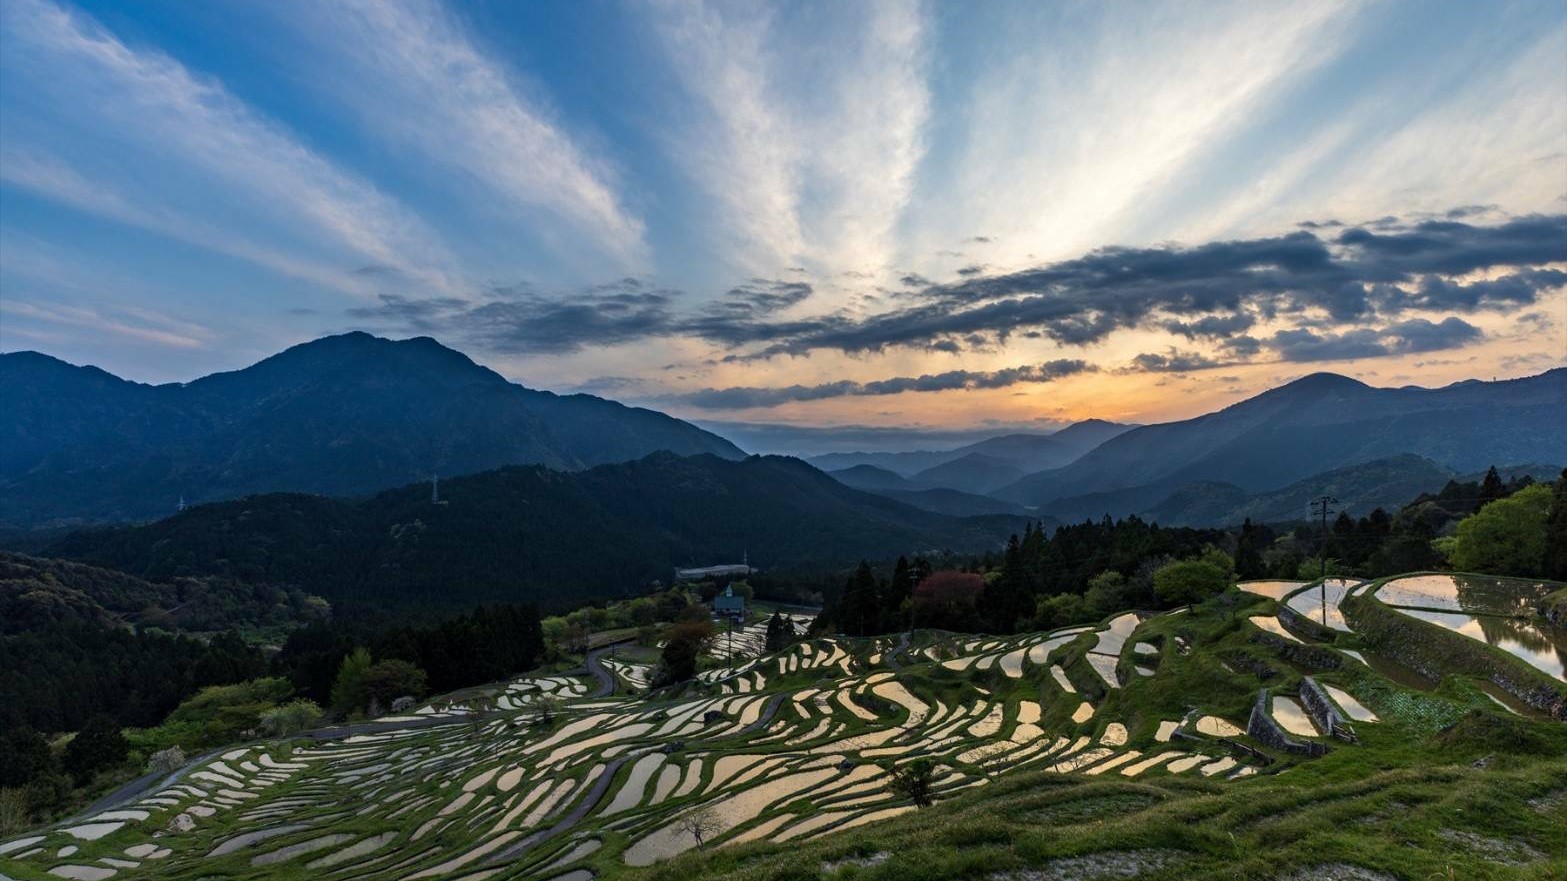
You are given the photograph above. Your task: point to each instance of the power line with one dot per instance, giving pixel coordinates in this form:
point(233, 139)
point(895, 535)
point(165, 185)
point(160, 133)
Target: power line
point(1321, 508)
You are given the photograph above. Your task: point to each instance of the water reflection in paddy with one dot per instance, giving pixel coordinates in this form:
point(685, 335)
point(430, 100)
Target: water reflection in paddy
point(1329, 593)
point(1292, 717)
point(1542, 646)
point(1273, 590)
point(1465, 593)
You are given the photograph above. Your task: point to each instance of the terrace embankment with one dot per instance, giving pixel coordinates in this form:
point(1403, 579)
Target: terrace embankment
point(1435, 652)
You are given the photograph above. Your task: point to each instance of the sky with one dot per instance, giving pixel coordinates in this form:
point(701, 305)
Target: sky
point(808, 225)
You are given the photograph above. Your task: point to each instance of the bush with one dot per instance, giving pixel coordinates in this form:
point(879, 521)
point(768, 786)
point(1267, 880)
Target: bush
point(166, 761)
point(1189, 581)
point(1506, 537)
point(388, 680)
point(291, 718)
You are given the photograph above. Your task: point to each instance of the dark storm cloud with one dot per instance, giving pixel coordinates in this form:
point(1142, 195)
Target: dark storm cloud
point(1081, 301)
point(520, 321)
point(1356, 277)
point(1414, 335)
point(1212, 326)
point(760, 296)
point(1174, 361)
point(745, 397)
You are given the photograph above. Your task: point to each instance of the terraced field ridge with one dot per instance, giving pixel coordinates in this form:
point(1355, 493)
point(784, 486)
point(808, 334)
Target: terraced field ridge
point(1116, 750)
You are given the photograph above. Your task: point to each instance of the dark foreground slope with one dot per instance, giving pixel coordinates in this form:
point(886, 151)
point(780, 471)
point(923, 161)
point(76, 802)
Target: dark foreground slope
point(533, 534)
point(342, 415)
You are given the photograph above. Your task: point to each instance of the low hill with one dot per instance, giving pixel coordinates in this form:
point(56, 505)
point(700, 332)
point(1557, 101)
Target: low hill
point(870, 478)
point(1314, 425)
point(955, 503)
point(975, 472)
point(1026, 452)
point(532, 534)
point(1360, 489)
point(36, 592)
point(343, 415)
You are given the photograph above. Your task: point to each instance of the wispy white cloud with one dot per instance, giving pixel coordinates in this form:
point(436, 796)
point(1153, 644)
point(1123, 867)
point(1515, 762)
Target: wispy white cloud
point(1063, 145)
point(808, 142)
point(143, 325)
point(150, 116)
point(420, 78)
point(51, 178)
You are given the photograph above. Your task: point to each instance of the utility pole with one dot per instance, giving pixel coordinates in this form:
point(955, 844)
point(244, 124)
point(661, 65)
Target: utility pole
point(1321, 507)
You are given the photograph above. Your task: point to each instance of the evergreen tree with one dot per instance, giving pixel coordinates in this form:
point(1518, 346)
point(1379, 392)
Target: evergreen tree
point(899, 591)
point(860, 605)
point(1491, 487)
point(1248, 553)
point(349, 691)
point(97, 746)
point(1556, 532)
point(779, 633)
point(1009, 597)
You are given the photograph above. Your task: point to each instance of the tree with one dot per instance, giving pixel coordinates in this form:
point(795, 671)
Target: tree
point(700, 824)
point(24, 754)
point(915, 781)
point(1507, 536)
point(386, 681)
point(291, 718)
point(166, 761)
point(349, 691)
point(1010, 597)
point(1248, 553)
point(859, 609)
point(1189, 581)
point(1491, 488)
point(99, 745)
point(947, 599)
point(779, 633)
point(1556, 532)
point(684, 642)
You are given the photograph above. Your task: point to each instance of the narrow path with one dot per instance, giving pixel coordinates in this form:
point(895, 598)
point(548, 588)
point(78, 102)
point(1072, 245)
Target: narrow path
point(595, 666)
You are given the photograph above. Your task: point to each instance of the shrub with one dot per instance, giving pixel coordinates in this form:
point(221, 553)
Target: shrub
point(1506, 537)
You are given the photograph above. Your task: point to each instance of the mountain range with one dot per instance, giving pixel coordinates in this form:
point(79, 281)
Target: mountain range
point(979, 467)
point(532, 533)
point(343, 415)
point(1307, 427)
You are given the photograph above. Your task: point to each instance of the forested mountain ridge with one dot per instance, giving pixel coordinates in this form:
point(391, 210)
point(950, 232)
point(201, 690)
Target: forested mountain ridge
point(1310, 426)
point(532, 534)
point(37, 591)
point(342, 415)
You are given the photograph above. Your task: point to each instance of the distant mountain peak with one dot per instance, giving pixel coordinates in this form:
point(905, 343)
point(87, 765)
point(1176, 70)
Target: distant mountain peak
point(1325, 381)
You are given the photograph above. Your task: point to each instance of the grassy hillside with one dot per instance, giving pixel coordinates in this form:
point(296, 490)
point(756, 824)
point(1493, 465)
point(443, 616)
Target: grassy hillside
point(1110, 751)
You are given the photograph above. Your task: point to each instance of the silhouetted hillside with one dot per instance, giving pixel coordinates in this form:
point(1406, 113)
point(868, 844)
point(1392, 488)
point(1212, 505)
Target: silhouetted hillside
point(343, 415)
point(534, 534)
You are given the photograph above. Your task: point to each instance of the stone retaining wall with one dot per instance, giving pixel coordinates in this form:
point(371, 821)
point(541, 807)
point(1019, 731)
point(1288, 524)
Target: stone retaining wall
point(1323, 711)
point(1262, 728)
point(1315, 657)
point(1300, 625)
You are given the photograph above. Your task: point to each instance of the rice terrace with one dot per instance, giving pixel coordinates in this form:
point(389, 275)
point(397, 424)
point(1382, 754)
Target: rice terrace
point(783, 440)
point(1117, 749)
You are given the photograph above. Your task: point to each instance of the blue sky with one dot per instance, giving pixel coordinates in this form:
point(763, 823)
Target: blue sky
point(809, 214)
